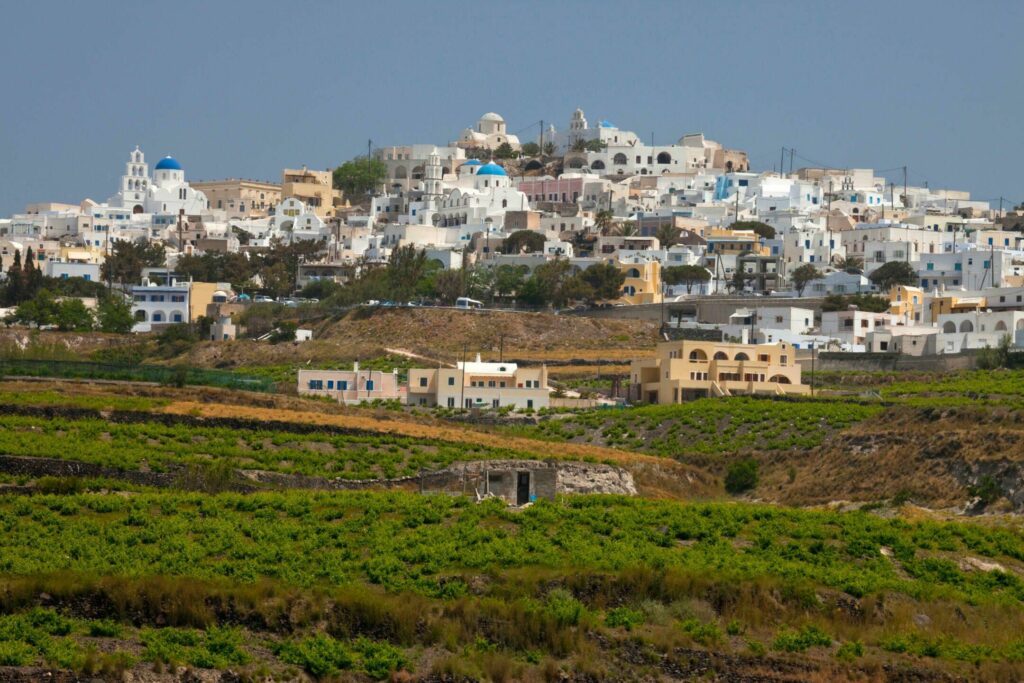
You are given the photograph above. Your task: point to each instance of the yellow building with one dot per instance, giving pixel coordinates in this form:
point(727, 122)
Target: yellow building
point(315, 189)
point(908, 303)
point(643, 282)
point(686, 370)
point(240, 198)
point(953, 303)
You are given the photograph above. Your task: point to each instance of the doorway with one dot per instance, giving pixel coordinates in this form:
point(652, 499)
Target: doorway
point(523, 488)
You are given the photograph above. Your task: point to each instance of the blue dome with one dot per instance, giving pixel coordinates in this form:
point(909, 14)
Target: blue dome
point(491, 168)
point(606, 124)
point(473, 162)
point(168, 164)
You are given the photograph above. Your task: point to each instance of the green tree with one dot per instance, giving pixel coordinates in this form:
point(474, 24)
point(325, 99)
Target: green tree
point(126, 260)
point(509, 280)
point(359, 176)
point(603, 221)
point(285, 332)
point(667, 235)
point(448, 285)
point(41, 310)
point(531, 149)
point(741, 476)
point(893, 273)
point(33, 276)
point(553, 283)
point(595, 146)
point(114, 314)
point(865, 302)
point(802, 275)
point(504, 151)
point(604, 280)
point(529, 241)
point(549, 149)
point(761, 229)
point(578, 146)
point(406, 267)
point(14, 289)
point(851, 264)
point(625, 229)
point(739, 280)
point(73, 316)
point(685, 275)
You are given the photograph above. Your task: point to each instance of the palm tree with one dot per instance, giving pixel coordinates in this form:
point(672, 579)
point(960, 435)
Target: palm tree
point(625, 229)
point(603, 221)
point(667, 235)
point(549, 149)
point(578, 146)
point(851, 264)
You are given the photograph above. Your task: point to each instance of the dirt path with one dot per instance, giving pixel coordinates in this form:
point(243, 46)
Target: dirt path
point(416, 356)
point(453, 433)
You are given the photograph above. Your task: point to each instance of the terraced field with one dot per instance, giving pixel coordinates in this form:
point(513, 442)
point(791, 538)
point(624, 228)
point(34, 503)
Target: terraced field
point(544, 585)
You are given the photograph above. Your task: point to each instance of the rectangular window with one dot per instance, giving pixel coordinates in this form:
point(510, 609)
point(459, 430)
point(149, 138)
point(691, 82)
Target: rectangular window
point(330, 384)
point(423, 381)
point(316, 384)
point(451, 381)
point(343, 385)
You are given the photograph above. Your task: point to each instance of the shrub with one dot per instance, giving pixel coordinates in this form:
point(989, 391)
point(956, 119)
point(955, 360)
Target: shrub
point(625, 617)
point(741, 476)
point(799, 641)
point(567, 610)
point(850, 651)
point(320, 655)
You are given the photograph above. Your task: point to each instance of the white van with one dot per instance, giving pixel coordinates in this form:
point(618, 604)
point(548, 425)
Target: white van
point(466, 302)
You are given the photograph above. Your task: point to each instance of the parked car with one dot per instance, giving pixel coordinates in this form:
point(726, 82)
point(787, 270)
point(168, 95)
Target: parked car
point(262, 299)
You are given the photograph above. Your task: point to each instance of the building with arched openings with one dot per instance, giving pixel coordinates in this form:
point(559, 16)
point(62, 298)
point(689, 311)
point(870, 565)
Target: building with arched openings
point(164, 192)
point(687, 370)
point(490, 133)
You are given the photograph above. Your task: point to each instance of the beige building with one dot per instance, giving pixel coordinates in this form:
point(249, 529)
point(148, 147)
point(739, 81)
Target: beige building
point(480, 385)
point(315, 189)
point(686, 370)
point(351, 386)
point(240, 198)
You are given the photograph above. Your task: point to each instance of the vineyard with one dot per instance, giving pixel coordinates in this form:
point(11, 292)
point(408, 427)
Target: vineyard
point(708, 427)
point(529, 588)
point(163, 446)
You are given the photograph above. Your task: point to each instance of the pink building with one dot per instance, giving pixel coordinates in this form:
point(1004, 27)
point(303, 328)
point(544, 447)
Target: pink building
point(566, 190)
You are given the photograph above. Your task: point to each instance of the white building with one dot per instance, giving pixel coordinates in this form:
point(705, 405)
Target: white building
point(490, 133)
point(166, 192)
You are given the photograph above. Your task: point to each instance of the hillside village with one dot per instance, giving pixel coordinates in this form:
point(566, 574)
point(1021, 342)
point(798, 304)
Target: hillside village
point(586, 220)
point(540, 403)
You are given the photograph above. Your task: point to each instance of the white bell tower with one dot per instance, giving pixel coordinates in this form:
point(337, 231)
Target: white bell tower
point(135, 180)
point(432, 178)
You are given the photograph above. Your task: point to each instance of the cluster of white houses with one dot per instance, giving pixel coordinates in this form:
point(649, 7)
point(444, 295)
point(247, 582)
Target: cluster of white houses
point(597, 194)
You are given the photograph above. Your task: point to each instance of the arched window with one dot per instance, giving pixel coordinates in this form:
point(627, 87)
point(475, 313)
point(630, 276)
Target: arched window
point(1000, 326)
point(664, 158)
point(742, 356)
point(720, 355)
point(949, 327)
point(643, 171)
point(597, 165)
point(158, 317)
point(779, 379)
point(967, 326)
point(140, 316)
point(400, 172)
point(619, 159)
point(633, 272)
point(698, 355)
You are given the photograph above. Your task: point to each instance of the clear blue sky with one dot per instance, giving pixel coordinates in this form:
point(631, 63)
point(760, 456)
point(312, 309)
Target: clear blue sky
point(245, 89)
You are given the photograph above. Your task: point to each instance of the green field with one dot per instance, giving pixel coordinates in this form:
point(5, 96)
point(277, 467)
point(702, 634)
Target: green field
point(161, 447)
point(711, 426)
point(552, 573)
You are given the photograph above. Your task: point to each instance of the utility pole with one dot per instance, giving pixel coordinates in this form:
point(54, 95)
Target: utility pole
point(828, 221)
point(892, 198)
point(542, 139)
point(462, 380)
point(782, 163)
point(792, 151)
point(905, 199)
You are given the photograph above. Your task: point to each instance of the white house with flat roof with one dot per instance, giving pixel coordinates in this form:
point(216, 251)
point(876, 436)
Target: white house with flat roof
point(478, 384)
